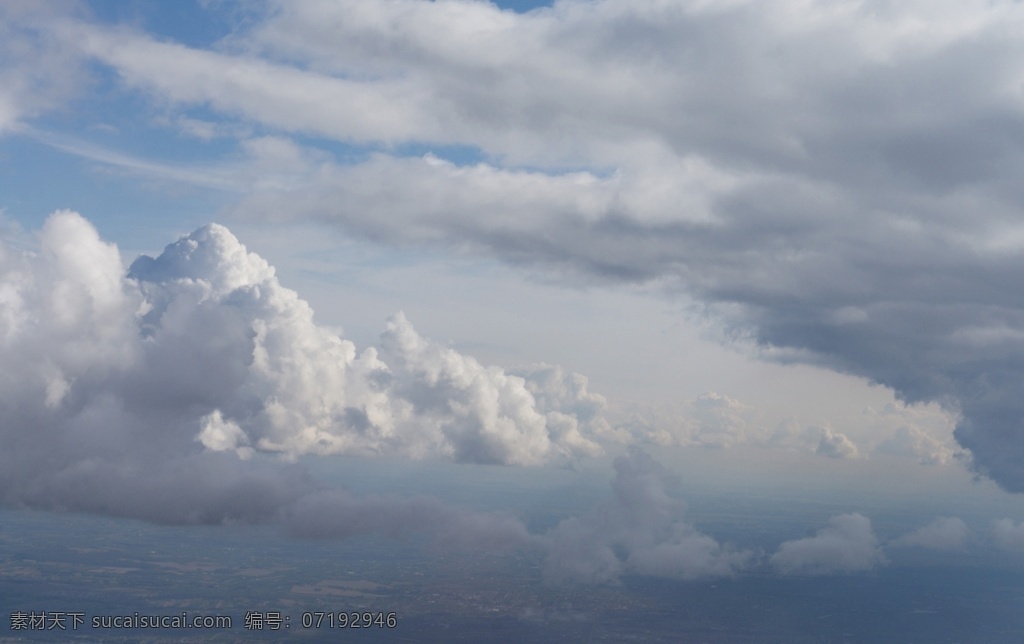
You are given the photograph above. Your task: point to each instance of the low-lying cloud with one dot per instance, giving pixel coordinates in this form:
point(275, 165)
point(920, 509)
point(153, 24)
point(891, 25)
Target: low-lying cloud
point(639, 530)
point(847, 544)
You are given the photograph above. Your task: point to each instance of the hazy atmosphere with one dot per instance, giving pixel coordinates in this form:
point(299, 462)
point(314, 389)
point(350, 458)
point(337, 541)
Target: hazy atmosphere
point(540, 320)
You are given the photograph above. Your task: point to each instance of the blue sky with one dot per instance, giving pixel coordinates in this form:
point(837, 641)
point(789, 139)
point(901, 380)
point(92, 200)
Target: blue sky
point(765, 233)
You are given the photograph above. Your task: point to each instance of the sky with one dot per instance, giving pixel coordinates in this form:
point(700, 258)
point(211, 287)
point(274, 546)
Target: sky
point(782, 237)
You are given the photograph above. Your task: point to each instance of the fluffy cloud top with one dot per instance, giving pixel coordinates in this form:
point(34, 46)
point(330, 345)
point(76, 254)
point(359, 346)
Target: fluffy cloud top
point(846, 544)
point(280, 383)
point(153, 384)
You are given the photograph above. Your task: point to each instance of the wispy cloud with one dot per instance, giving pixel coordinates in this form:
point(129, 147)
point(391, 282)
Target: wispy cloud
point(207, 176)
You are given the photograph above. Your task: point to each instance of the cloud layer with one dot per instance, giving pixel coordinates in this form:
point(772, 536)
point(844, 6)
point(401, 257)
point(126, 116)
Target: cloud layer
point(833, 179)
point(836, 180)
point(807, 170)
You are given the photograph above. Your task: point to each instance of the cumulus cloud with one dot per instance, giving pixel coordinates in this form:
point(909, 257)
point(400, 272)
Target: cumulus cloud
point(640, 531)
point(944, 533)
point(846, 544)
point(478, 414)
point(163, 392)
point(284, 384)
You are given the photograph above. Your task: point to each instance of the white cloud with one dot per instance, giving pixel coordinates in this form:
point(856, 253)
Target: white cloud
point(835, 445)
point(278, 95)
point(477, 413)
point(583, 80)
point(65, 312)
point(116, 383)
point(846, 545)
point(222, 435)
point(944, 533)
point(300, 389)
